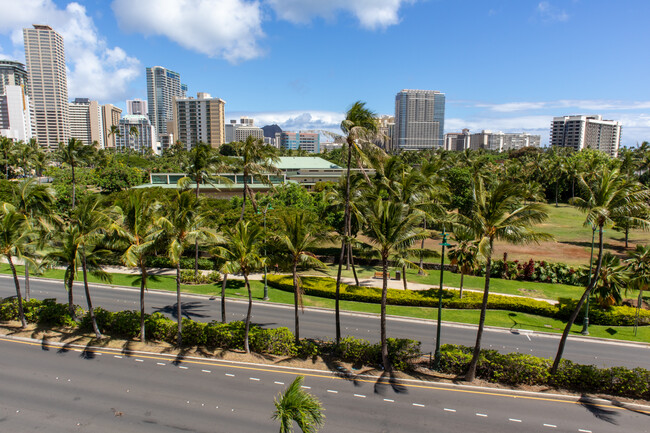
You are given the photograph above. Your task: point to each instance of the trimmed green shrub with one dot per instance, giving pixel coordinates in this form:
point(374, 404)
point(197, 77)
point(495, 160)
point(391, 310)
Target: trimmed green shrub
point(54, 314)
point(157, 327)
point(193, 333)
point(186, 263)
point(278, 341)
point(188, 277)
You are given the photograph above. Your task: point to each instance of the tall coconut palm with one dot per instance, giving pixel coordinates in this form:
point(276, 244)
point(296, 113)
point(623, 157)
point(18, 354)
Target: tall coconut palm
point(391, 227)
point(255, 160)
point(240, 253)
point(613, 280)
point(113, 131)
point(610, 197)
point(14, 239)
point(64, 250)
point(359, 125)
point(297, 405)
point(498, 214)
point(134, 132)
point(297, 239)
point(182, 223)
point(73, 154)
point(7, 151)
point(638, 263)
point(91, 221)
point(136, 227)
point(464, 254)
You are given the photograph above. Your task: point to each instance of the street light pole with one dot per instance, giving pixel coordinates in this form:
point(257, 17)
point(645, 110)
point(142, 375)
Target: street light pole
point(436, 361)
point(585, 322)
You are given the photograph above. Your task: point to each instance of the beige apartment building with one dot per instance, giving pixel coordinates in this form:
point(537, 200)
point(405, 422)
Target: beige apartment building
point(586, 132)
point(200, 119)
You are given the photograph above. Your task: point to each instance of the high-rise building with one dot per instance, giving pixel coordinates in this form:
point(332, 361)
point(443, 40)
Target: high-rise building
point(137, 106)
point(419, 120)
point(457, 141)
point(110, 117)
point(307, 141)
point(15, 116)
point(242, 130)
point(385, 128)
point(499, 141)
point(586, 132)
point(199, 119)
point(140, 141)
point(86, 122)
point(13, 74)
point(48, 85)
point(163, 85)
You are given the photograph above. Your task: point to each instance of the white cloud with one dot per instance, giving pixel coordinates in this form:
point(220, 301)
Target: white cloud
point(217, 28)
point(295, 120)
point(371, 14)
point(95, 70)
point(576, 104)
point(549, 12)
point(509, 107)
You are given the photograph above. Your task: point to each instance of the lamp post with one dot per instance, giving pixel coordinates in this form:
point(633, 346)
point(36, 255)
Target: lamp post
point(436, 361)
point(266, 287)
point(585, 322)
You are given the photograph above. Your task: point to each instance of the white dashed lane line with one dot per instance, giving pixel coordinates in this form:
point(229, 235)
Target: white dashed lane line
point(550, 425)
point(161, 363)
point(360, 395)
point(514, 420)
point(183, 367)
point(332, 391)
point(117, 356)
point(449, 410)
point(230, 375)
point(206, 371)
point(139, 360)
point(306, 387)
point(418, 405)
point(254, 378)
point(389, 400)
point(278, 383)
point(584, 431)
point(482, 414)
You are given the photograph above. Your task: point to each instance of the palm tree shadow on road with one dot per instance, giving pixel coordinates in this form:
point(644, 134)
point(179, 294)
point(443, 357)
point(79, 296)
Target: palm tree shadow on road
point(597, 409)
point(190, 310)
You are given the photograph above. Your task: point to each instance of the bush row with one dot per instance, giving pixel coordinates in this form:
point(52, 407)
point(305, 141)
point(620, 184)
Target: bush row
point(326, 287)
point(510, 369)
point(540, 271)
point(521, 369)
point(186, 263)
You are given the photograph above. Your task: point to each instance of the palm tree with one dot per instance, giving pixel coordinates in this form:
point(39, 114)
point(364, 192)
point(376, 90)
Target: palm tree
point(391, 227)
point(613, 279)
point(7, 150)
point(297, 239)
point(240, 253)
point(72, 154)
point(639, 266)
point(296, 404)
point(65, 251)
point(114, 131)
point(359, 125)
point(498, 214)
point(610, 197)
point(182, 224)
point(91, 221)
point(137, 229)
point(14, 238)
point(464, 254)
point(134, 132)
point(255, 159)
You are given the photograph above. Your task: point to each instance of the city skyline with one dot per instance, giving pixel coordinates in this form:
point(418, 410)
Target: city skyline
point(512, 68)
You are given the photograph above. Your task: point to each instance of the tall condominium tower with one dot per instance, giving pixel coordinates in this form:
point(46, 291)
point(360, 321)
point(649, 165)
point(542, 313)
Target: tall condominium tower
point(13, 74)
point(86, 122)
point(48, 86)
point(137, 107)
point(200, 119)
point(162, 86)
point(580, 132)
point(419, 119)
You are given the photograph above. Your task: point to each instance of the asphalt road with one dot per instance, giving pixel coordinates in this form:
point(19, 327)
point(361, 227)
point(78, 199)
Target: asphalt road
point(320, 324)
point(68, 389)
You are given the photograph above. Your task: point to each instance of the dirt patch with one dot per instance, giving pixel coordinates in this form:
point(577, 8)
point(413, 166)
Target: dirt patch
point(73, 338)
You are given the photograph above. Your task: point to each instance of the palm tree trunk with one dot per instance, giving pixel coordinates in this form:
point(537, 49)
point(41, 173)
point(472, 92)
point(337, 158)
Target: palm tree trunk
point(243, 205)
point(627, 236)
point(462, 277)
point(337, 295)
point(223, 298)
point(354, 268)
point(296, 298)
point(27, 294)
point(196, 242)
point(421, 271)
point(382, 321)
point(69, 284)
point(405, 283)
point(143, 285)
point(574, 315)
point(471, 370)
point(248, 313)
point(347, 258)
point(21, 312)
point(557, 189)
point(179, 307)
point(91, 312)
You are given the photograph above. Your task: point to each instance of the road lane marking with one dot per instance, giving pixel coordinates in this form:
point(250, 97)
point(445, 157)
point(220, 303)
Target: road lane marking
point(418, 405)
point(161, 363)
point(306, 387)
point(183, 367)
point(254, 378)
point(117, 356)
point(450, 410)
point(139, 360)
point(332, 391)
point(206, 371)
point(360, 395)
point(278, 383)
point(584, 431)
point(514, 420)
point(481, 414)
point(230, 375)
point(389, 400)
point(550, 425)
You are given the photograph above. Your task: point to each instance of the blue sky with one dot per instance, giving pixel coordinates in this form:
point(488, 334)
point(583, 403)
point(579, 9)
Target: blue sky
point(508, 65)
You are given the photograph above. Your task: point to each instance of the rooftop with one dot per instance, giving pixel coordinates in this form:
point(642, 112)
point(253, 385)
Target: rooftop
point(304, 163)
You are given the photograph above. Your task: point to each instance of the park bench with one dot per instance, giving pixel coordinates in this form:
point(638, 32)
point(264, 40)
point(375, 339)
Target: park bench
point(381, 275)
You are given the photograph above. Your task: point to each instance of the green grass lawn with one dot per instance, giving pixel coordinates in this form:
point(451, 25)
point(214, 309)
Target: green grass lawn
point(236, 289)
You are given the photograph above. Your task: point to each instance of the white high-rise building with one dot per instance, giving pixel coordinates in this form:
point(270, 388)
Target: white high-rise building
point(199, 119)
point(586, 132)
point(141, 139)
point(137, 107)
point(48, 85)
point(163, 85)
point(86, 123)
point(419, 120)
point(15, 117)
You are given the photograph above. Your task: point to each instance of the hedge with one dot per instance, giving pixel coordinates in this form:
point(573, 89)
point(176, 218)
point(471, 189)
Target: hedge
point(326, 288)
point(511, 369)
